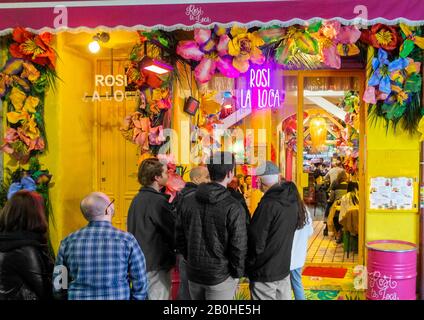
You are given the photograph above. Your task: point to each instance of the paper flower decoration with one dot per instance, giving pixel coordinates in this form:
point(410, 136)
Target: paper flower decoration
point(244, 47)
point(382, 36)
point(9, 76)
point(412, 39)
point(32, 47)
point(336, 40)
point(383, 70)
point(296, 40)
point(211, 51)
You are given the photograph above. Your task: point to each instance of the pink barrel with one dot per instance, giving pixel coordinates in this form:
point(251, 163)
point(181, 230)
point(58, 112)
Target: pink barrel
point(392, 270)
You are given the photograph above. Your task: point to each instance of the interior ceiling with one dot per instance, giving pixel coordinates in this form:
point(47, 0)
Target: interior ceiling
point(120, 41)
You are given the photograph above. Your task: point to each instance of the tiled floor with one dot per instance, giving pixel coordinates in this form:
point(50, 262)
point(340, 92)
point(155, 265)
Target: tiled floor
point(325, 249)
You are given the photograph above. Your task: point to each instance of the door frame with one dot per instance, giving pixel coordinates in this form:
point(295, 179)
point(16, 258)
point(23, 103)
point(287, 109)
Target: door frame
point(360, 73)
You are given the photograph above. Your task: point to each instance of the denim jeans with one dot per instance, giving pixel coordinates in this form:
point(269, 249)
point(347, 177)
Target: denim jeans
point(296, 284)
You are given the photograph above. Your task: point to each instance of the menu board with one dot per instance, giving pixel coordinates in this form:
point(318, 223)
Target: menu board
point(392, 193)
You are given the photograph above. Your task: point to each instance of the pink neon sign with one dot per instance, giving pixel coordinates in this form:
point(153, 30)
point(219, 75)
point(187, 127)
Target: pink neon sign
point(259, 90)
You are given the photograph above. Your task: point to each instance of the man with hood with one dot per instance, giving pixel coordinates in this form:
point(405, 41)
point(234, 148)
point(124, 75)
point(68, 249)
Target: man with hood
point(270, 235)
point(211, 234)
point(198, 175)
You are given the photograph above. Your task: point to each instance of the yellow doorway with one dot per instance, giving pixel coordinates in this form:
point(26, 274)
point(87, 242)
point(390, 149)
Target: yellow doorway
point(317, 95)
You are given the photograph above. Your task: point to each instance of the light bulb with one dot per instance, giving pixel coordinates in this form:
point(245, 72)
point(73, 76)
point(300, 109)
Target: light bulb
point(94, 47)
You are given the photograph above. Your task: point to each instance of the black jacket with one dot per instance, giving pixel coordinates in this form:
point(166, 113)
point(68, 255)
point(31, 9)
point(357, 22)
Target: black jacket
point(212, 236)
point(25, 267)
point(188, 189)
point(151, 219)
point(238, 196)
point(271, 233)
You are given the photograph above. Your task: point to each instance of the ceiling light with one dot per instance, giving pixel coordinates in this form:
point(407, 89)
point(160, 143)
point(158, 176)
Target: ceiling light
point(155, 66)
point(94, 46)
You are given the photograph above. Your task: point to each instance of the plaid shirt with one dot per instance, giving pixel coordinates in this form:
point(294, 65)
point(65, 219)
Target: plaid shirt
point(101, 262)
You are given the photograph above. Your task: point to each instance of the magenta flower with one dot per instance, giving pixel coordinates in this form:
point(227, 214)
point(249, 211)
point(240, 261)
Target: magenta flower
point(212, 53)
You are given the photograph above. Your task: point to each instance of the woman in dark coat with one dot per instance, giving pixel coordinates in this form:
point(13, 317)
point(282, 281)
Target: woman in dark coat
point(25, 265)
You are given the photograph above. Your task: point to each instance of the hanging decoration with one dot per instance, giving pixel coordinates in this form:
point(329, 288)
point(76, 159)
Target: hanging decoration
point(318, 132)
point(145, 127)
point(351, 105)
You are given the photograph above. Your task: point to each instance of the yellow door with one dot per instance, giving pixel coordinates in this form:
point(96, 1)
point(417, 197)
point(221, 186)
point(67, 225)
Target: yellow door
point(116, 157)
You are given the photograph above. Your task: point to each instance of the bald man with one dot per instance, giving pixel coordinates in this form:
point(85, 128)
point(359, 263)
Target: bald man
point(100, 261)
point(198, 175)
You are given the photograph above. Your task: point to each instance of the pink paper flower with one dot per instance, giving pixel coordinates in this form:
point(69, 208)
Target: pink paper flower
point(211, 50)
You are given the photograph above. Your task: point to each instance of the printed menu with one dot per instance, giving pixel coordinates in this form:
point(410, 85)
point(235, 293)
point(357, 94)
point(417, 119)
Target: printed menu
point(391, 193)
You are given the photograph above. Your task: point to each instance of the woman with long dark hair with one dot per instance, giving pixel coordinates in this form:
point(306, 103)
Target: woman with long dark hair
point(300, 246)
point(25, 265)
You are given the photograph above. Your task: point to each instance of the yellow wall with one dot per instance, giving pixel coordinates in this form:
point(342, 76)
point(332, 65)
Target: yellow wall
point(391, 155)
point(69, 125)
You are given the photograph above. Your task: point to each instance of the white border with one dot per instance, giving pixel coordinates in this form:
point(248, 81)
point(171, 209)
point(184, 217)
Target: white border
point(255, 23)
point(51, 4)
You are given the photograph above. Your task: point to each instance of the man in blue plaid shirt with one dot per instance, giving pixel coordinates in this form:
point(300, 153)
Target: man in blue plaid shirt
point(100, 262)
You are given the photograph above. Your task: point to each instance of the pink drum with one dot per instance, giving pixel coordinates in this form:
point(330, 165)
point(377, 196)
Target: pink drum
point(392, 270)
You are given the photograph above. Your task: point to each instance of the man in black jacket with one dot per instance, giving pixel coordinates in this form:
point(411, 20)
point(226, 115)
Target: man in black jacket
point(151, 219)
point(270, 235)
point(211, 234)
point(234, 188)
point(198, 175)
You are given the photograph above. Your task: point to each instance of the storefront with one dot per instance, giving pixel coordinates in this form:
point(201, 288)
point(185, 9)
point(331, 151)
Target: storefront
point(296, 82)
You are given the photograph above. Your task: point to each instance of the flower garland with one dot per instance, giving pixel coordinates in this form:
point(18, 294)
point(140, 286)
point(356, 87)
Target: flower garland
point(145, 126)
point(394, 87)
point(24, 79)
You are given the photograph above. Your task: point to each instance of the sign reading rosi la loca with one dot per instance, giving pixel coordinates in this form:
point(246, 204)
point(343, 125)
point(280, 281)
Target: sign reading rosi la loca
point(260, 90)
point(109, 81)
point(195, 13)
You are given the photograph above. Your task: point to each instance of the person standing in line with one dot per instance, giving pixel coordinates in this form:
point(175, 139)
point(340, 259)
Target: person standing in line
point(198, 175)
point(299, 250)
point(25, 263)
point(211, 234)
point(151, 219)
point(234, 187)
point(100, 261)
point(270, 236)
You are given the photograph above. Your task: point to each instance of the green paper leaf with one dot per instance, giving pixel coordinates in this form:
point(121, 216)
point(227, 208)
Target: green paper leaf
point(315, 27)
point(407, 47)
point(163, 42)
point(398, 110)
point(413, 83)
point(307, 44)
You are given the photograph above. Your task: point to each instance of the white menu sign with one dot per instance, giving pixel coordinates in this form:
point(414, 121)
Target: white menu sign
point(392, 193)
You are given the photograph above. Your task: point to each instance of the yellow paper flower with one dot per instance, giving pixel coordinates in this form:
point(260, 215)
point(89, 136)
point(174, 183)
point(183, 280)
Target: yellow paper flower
point(159, 94)
point(17, 97)
point(30, 128)
point(31, 103)
point(244, 47)
point(15, 117)
point(30, 72)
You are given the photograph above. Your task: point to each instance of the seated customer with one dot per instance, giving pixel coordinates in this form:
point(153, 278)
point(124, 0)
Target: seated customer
point(349, 202)
point(337, 190)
